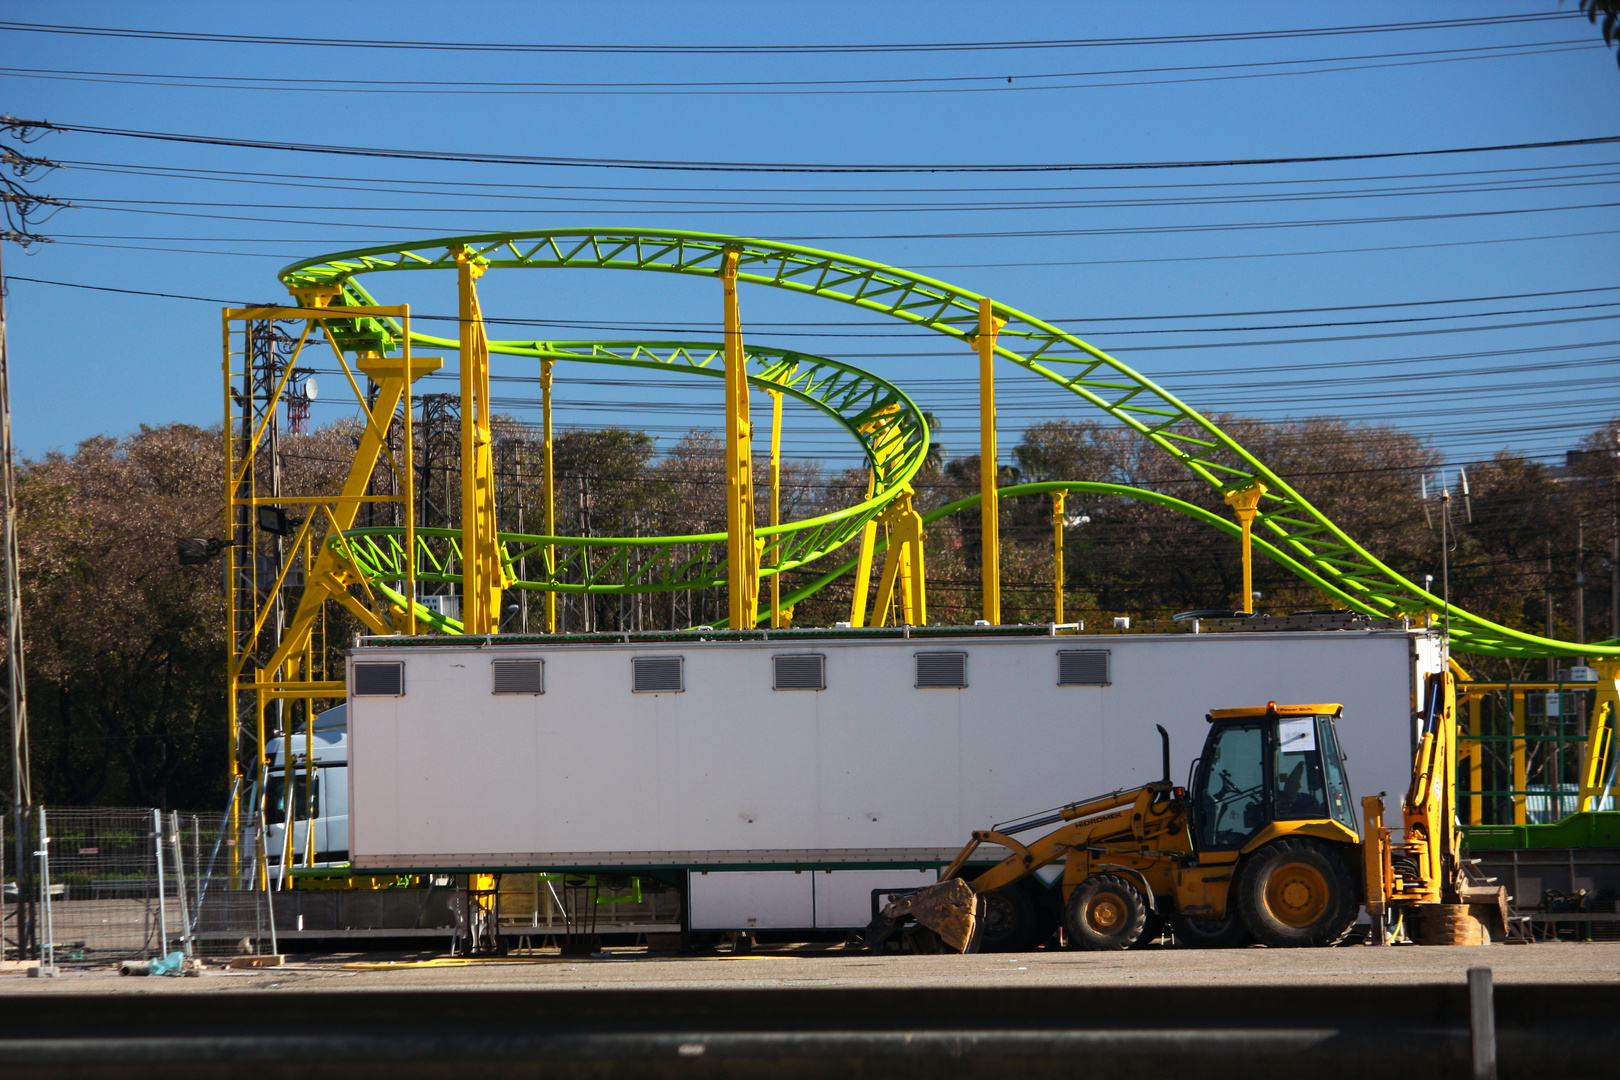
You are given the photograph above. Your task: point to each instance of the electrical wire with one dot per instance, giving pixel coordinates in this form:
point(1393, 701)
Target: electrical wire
point(785, 167)
point(828, 87)
point(780, 50)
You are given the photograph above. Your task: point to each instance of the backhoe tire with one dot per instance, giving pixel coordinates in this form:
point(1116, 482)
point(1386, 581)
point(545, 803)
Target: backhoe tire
point(1105, 913)
point(1295, 893)
point(1227, 933)
point(1010, 920)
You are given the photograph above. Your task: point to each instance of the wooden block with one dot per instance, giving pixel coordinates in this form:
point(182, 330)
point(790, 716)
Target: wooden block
point(268, 960)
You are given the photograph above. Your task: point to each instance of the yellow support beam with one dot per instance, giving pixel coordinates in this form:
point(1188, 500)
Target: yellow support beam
point(551, 502)
point(1476, 762)
point(902, 566)
point(1058, 519)
point(776, 505)
point(863, 561)
point(482, 576)
point(984, 343)
point(1245, 503)
point(742, 551)
point(1520, 808)
point(1598, 776)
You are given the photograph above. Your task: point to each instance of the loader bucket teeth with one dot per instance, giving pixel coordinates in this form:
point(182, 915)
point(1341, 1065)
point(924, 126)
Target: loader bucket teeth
point(948, 909)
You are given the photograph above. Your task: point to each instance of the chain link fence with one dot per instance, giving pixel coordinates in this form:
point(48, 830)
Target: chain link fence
point(133, 883)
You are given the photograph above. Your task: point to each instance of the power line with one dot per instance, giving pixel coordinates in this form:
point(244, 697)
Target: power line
point(780, 50)
point(368, 183)
point(781, 167)
point(70, 240)
point(999, 84)
point(728, 207)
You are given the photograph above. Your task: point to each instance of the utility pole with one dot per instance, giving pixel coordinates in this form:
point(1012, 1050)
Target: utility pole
point(1546, 584)
point(22, 797)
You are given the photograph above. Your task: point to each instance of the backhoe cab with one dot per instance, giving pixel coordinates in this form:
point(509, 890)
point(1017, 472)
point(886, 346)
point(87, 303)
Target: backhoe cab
point(1264, 846)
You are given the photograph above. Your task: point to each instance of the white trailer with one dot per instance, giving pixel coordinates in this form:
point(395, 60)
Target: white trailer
point(789, 773)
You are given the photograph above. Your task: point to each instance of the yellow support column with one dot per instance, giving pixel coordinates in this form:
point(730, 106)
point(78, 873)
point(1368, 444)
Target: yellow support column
point(551, 503)
point(742, 553)
point(1600, 740)
point(984, 343)
point(482, 577)
point(1057, 555)
point(863, 562)
point(1476, 763)
point(1245, 503)
point(776, 505)
point(902, 565)
point(1520, 810)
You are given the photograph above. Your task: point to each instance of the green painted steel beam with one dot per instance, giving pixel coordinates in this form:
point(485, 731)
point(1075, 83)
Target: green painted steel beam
point(1287, 522)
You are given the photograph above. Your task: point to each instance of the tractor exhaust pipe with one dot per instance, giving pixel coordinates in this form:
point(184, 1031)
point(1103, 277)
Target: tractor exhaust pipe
point(1164, 737)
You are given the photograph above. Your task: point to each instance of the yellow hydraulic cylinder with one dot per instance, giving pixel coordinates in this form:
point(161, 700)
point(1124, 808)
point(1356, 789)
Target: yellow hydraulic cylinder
point(742, 553)
point(984, 343)
point(551, 502)
point(1245, 503)
point(482, 576)
point(1057, 555)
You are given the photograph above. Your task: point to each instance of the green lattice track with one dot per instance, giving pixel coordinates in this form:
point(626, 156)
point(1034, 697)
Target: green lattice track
point(1288, 527)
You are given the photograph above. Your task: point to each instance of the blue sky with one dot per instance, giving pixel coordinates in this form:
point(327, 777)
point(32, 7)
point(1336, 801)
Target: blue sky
point(1204, 279)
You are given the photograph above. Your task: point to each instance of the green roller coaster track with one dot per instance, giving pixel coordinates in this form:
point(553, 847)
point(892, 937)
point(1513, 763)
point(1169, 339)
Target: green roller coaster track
point(1288, 527)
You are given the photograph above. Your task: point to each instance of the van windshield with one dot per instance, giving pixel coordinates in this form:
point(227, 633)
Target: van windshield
point(275, 799)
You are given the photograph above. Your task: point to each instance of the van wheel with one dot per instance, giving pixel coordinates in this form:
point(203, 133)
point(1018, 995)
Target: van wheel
point(1297, 892)
point(1105, 913)
point(1227, 933)
point(1009, 920)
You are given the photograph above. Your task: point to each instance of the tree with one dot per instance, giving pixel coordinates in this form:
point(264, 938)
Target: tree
point(1610, 10)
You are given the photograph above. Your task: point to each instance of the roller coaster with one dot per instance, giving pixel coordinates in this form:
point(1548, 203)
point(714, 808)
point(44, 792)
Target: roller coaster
point(374, 570)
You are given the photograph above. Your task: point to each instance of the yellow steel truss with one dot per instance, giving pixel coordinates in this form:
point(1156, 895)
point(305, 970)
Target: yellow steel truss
point(268, 662)
point(742, 550)
point(483, 576)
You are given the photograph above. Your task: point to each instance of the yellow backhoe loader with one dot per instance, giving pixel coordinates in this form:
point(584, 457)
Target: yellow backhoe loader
point(1264, 847)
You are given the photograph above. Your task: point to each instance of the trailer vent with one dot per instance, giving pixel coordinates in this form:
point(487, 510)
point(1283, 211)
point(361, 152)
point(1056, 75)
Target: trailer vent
point(379, 680)
point(519, 676)
point(656, 675)
point(1083, 667)
point(799, 671)
point(941, 669)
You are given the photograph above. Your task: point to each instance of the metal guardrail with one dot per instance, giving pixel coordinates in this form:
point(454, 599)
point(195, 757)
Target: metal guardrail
point(1324, 1032)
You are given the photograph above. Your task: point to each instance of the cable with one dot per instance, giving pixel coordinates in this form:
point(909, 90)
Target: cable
point(368, 183)
point(782, 167)
point(72, 239)
point(727, 207)
point(821, 87)
point(575, 324)
point(779, 50)
point(992, 234)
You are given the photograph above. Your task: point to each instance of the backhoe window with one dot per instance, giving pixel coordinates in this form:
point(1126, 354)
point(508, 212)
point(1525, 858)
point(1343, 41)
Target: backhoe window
point(1232, 790)
point(1338, 789)
point(1299, 769)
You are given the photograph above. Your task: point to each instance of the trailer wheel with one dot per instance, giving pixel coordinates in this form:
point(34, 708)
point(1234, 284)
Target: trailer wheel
point(1010, 919)
point(1105, 913)
point(1227, 933)
point(1297, 892)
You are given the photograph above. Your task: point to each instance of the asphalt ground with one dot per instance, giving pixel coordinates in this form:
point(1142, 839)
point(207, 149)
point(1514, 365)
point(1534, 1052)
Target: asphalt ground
point(837, 968)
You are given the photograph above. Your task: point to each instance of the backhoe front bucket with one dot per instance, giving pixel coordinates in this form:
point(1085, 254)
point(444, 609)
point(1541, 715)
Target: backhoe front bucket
point(948, 909)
